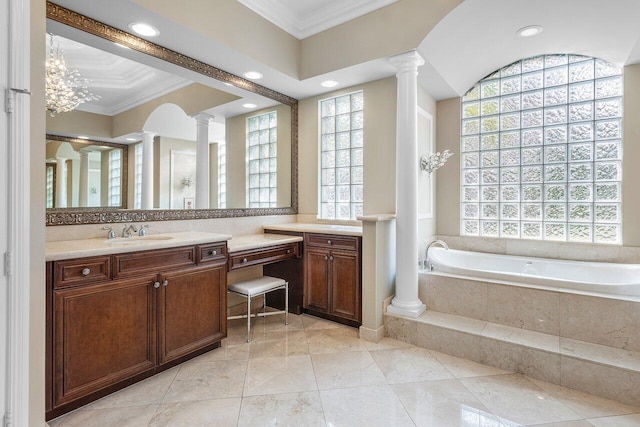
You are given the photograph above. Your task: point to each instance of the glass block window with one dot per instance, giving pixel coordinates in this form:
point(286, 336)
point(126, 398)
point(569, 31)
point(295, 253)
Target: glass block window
point(341, 156)
point(222, 176)
point(262, 141)
point(49, 186)
point(137, 193)
point(114, 177)
point(542, 151)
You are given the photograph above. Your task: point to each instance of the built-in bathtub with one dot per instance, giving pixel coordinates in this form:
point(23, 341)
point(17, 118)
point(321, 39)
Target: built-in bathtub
point(598, 277)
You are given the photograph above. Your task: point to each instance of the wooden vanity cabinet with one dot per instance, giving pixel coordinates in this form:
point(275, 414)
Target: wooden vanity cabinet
point(140, 313)
point(332, 277)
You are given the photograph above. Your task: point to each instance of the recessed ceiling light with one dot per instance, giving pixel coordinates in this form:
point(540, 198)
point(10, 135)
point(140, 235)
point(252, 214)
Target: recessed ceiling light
point(249, 105)
point(253, 75)
point(529, 31)
point(132, 139)
point(144, 29)
point(83, 137)
point(329, 83)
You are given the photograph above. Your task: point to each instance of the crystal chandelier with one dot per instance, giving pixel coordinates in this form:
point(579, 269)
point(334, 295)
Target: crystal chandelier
point(65, 90)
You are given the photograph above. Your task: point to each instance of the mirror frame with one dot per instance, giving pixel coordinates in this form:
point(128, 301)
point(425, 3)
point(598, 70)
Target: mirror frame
point(124, 182)
point(77, 216)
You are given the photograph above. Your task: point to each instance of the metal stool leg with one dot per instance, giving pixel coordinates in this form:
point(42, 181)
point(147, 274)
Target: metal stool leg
point(248, 318)
point(286, 303)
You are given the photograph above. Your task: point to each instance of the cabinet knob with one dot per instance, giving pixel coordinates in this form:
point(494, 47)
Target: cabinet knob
point(156, 285)
point(326, 257)
point(244, 260)
point(328, 242)
point(165, 282)
point(86, 271)
point(213, 252)
point(288, 251)
point(331, 258)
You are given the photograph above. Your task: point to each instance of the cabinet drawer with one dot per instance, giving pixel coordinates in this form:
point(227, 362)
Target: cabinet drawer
point(212, 252)
point(81, 271)
point(333, 241)
point(260, 256)
point(134, 263)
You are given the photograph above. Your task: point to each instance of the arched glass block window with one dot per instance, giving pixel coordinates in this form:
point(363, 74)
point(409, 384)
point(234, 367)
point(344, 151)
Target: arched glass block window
point(542, 151)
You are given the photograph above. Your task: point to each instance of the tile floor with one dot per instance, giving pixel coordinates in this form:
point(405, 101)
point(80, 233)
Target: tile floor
point(318, 373)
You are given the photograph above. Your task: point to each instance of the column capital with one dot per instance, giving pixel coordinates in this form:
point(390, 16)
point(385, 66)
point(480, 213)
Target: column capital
point(203, 118)
point(411, 59)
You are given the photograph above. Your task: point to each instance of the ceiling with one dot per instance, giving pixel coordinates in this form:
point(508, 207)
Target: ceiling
point(476, 38)
point(304, 18)
point(120, 83)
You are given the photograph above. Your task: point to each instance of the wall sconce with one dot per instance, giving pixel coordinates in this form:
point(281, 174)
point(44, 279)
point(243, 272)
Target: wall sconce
point(186, 181)
point(432, 162)
point(93, 190)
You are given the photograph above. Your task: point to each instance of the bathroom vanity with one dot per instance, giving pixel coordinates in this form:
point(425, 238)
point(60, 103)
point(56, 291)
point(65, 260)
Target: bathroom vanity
point(116, 318)
point(121, 310)
point(332, 284)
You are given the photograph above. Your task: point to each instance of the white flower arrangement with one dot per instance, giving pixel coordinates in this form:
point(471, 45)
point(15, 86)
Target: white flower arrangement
point(431, 162)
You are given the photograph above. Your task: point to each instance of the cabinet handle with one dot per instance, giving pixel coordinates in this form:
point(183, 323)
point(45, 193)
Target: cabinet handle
point(213, 252)
point(86, 271)
point(156, 285)
point(244, 260)
point(165, 282)
point(328, 242)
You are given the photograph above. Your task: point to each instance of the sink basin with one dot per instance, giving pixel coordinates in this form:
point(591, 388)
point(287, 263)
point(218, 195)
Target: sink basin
point(138, 240)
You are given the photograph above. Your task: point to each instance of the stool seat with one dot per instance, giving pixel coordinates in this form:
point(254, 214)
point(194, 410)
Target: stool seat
point(256, 286)
point(260, 286)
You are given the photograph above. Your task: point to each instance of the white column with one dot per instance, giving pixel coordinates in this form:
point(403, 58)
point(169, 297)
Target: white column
point(406, 301)
point(61, 183)
point(83, 187)
point(202, 160)
point(147, 170)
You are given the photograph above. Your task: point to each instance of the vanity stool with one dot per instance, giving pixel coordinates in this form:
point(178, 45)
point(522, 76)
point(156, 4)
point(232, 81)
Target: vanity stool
point(260, 286)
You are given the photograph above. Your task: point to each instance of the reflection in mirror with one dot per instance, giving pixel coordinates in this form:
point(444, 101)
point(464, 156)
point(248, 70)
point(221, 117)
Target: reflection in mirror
point(192, 141)
point(82, 173)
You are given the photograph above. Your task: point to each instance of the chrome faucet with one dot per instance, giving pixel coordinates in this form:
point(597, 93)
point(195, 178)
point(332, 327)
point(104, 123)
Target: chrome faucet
point(142, 230)
point(126, 231)
point(430, 265)
point(111, 234)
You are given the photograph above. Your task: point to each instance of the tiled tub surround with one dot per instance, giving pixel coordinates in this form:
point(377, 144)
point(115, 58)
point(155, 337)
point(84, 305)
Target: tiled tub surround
point(586, 342)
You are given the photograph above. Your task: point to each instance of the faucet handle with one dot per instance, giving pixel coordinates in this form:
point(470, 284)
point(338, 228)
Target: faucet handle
point(142, 231)
point(111, 234)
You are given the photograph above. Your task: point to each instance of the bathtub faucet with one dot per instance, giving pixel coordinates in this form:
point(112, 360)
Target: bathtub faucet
point(430, 265)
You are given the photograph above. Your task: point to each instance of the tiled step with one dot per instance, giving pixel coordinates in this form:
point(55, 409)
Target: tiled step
point(606, 371)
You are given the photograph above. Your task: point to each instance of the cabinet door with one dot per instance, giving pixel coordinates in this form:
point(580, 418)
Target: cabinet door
point(316, 293)
point(102, 334)
point(345, 285)
point(192, 310)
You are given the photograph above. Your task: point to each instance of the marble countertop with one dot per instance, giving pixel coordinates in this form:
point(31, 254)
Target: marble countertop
point(68, 249)
point(346, 230)
point(255, 241)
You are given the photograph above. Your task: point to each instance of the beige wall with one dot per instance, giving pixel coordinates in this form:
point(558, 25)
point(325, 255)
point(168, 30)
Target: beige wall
point(394, 29)
point(192, 99)
point(233, 25)
point(236, 145)
point(36, 215)
point(426, 226)
point(379, 148)
point(162, 167)
point(448, 184)
point(390, 30)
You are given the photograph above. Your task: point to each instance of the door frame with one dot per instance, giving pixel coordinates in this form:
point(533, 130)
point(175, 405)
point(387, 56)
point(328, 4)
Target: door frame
point(15, 233)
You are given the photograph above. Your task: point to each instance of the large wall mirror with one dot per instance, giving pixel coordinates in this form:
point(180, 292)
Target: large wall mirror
point(172, 105)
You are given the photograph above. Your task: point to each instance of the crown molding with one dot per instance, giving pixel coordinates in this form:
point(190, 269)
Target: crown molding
point(301, 27)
